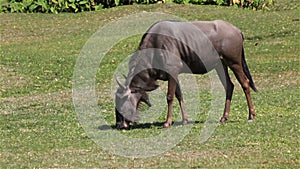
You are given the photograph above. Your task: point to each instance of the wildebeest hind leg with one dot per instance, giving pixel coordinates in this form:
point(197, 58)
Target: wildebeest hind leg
point(179, 97)
point(244, 81)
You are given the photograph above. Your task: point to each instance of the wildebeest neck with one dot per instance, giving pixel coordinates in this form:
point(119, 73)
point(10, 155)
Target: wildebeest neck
point(144, 81)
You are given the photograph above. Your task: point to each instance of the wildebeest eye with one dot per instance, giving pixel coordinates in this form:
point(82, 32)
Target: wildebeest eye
point(122, 93)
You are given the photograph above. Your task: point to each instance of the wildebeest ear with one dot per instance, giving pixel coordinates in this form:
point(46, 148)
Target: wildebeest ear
point(145, 99)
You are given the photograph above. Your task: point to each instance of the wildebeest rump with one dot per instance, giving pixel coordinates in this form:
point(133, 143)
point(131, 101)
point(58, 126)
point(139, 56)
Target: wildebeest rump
point(169, 48)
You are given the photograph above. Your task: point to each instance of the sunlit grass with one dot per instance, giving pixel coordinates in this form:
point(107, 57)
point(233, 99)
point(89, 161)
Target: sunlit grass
point(40, 129)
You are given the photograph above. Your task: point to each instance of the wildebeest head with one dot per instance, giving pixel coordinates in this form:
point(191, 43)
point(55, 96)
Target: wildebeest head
point(127, 103)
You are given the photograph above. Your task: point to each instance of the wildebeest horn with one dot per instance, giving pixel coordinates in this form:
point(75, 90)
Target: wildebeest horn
point(120, 83)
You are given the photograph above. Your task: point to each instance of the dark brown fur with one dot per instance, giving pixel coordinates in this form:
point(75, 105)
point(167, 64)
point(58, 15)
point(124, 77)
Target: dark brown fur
point(181, 39)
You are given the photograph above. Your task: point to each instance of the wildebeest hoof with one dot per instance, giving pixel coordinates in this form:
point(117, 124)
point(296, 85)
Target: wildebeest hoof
point(251, 120)
point(185, 122)
point(166, 125)
point(122, 126)
point(223, 119)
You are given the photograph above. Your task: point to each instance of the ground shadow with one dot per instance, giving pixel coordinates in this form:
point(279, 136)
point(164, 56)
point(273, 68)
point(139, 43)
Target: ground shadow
point(147, 125)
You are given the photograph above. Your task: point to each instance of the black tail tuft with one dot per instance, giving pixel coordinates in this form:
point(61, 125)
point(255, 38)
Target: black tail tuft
point(247, 72)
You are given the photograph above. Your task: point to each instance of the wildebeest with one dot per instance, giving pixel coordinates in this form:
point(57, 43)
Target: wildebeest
point(169, 48)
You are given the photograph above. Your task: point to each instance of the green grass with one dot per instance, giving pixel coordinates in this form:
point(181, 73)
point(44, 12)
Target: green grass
point(39, 127)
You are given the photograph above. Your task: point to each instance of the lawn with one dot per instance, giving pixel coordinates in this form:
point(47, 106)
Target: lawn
point(38, 120)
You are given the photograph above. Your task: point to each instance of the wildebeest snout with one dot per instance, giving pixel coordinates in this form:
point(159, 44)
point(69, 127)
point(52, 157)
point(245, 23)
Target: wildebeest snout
point(121, 122)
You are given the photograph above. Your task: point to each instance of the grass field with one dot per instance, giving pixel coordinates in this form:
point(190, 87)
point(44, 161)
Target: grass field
point(39, 127)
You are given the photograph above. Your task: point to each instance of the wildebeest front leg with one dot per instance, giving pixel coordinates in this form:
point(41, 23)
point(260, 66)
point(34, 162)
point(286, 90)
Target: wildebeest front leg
point(179, 97)
point(170, 98)
point(222, 71)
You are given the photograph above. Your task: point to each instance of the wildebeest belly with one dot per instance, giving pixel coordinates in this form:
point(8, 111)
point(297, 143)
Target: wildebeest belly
point(195, 68)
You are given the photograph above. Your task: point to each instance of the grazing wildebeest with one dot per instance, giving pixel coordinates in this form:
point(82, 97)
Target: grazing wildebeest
point(169, 48)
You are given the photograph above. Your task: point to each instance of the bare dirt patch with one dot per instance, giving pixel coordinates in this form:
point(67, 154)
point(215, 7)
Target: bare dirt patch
point(10, 79)
point(276, 81)
point(16, 104)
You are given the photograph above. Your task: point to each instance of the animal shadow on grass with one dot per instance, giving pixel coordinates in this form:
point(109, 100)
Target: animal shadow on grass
point(146, 125)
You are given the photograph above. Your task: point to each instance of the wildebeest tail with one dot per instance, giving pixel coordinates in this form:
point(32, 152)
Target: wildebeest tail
point(247, 72)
